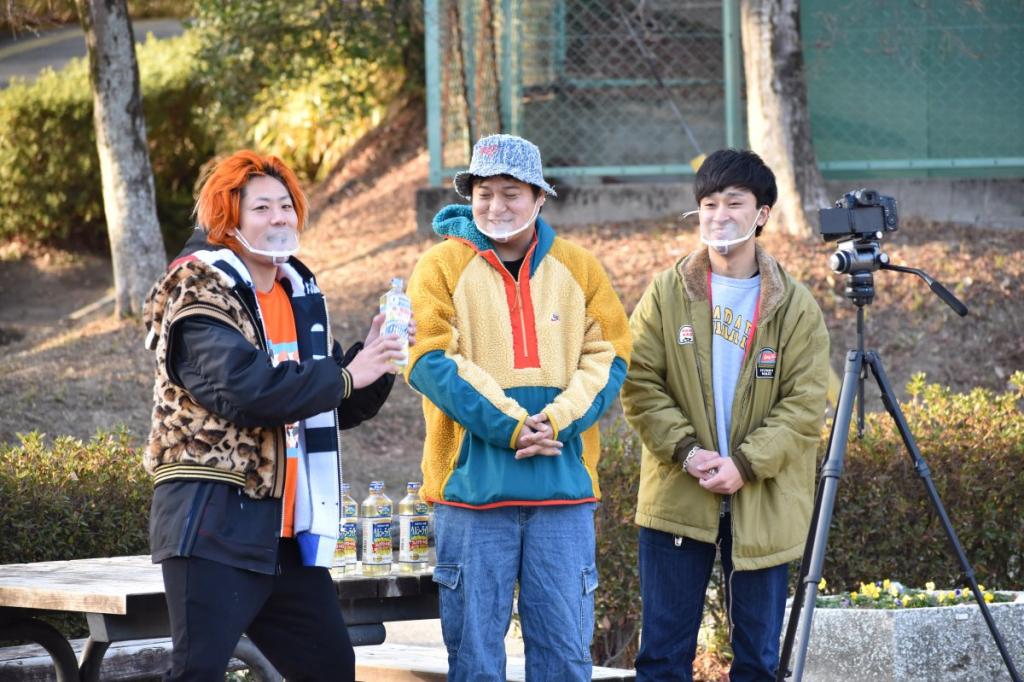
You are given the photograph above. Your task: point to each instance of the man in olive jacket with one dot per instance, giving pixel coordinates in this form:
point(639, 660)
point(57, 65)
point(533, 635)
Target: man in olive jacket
point(726, 390)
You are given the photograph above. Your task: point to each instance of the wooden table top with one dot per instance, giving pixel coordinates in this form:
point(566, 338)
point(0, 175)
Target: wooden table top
point(105, 585)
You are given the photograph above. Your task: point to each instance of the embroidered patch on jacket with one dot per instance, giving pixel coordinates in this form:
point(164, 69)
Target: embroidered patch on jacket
point(766, 359)
point(685, 337)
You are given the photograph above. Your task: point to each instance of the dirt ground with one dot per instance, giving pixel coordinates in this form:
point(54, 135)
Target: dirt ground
point(63, 372)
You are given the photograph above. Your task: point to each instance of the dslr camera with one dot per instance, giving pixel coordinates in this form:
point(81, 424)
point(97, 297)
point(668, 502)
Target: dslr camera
point(860, 214)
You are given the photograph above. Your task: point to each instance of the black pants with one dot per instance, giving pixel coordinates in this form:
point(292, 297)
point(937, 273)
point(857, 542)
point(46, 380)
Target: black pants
point(293, 617)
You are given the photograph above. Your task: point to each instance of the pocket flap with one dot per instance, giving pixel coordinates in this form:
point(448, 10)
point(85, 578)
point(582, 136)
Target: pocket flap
point(447, 575)
point(590, 580)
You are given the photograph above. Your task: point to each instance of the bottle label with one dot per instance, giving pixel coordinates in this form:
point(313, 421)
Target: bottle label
point(397, 309)
point(414, 538)
point(347, 541)
point(377, 540)
point(349, 510)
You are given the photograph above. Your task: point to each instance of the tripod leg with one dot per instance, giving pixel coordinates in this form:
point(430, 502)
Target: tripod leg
point(821, 519)
point(924, 473)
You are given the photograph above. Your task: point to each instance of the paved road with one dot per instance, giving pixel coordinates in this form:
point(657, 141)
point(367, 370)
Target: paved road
point(26, 55)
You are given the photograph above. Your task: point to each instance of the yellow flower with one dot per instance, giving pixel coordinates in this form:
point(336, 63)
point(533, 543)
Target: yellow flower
point(886, 584)
point(905, 600)
point(980, 587)
point(988, 597)
point(930, 586)
point(822, 585)
point(894, 591)
point(853, 595)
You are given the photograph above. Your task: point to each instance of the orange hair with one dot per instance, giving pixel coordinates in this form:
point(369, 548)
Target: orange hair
point(218, 207)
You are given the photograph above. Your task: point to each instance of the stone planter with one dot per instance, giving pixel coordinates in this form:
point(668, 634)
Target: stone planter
point(940, 644)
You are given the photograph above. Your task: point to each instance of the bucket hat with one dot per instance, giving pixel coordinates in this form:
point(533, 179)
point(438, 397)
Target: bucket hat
point(503, 155)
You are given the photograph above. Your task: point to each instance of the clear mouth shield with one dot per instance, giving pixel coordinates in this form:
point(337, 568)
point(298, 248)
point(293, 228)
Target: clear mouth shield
point(721, 236)
point(277, 243)
point(499, 234)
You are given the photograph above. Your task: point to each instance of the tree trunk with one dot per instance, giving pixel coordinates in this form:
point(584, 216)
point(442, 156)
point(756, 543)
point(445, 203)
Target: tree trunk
point(777, 116)
point(129, 198)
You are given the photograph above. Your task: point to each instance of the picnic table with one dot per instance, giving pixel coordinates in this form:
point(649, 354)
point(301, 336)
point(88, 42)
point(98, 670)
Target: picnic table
point(123, 599)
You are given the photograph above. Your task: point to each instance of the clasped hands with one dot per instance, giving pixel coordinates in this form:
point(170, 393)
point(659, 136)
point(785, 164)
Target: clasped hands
point(537, 438)
point(715, 473)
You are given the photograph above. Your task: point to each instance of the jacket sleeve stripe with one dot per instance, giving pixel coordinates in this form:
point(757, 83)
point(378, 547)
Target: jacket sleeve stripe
point(453, 387)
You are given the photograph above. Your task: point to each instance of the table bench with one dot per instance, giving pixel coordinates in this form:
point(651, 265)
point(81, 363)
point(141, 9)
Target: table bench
point(123, 600)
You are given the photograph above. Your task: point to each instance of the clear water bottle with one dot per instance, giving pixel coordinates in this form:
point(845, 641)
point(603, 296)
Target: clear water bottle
point(414, 530)
point(375, 514)
point(397, 309)
point(348, 524)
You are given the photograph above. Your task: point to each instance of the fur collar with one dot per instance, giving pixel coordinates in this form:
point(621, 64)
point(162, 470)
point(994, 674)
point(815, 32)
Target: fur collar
point(693, 271)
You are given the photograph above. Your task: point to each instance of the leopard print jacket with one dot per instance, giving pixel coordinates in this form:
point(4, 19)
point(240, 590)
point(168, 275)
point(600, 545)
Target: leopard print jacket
point(186, 440)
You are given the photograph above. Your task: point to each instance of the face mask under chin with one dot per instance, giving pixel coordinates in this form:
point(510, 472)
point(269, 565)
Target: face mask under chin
point(724, 246)
point(503, 237)
point(277, 244)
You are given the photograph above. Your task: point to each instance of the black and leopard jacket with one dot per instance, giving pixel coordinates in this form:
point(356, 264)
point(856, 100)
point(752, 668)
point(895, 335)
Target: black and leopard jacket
point(219, 403)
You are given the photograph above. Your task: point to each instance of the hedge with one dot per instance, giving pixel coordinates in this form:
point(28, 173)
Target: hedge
point(884, 524)
point(49, 167)
point(71, 499)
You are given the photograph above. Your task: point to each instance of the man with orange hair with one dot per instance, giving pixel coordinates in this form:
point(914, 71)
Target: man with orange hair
point(249, 397)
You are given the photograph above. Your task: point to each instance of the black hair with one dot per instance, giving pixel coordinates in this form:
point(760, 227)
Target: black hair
point(736, 168)
point(477, 178)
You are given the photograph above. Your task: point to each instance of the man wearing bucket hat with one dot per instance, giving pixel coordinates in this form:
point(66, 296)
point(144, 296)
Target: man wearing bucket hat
point(522, 345)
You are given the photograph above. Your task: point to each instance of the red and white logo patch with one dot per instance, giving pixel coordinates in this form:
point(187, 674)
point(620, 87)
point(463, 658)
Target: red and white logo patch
point(685, 336)
point(767, 358)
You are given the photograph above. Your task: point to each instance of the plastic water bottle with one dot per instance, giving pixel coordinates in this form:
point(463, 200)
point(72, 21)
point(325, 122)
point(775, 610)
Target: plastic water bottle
point(348, 524)
point(397, 309)
point(414, 529)
point(375, 513)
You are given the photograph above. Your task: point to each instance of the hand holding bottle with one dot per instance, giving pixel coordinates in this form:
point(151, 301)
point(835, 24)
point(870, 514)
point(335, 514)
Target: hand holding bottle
point(377, 357)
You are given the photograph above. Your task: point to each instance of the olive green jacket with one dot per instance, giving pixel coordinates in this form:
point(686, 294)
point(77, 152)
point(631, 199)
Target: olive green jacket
point(776, 416)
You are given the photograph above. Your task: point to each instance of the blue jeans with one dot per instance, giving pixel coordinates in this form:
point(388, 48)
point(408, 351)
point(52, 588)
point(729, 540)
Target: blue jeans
point(481, 554)
point(673, 580)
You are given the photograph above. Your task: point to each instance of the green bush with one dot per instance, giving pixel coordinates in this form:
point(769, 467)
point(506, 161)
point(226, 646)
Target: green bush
point(884, 525)
point(308, 93)
point(49, 167)
point(73, 500)
point(617, 600)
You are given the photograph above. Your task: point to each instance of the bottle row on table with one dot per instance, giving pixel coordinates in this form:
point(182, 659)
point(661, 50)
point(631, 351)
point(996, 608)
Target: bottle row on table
point(374, 520)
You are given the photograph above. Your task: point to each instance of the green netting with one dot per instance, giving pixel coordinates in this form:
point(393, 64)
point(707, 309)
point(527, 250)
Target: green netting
point(939, 80)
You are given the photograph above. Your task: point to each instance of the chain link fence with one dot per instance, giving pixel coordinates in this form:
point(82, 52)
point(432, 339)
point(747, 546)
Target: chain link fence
point(597, 84)
point(638, 87)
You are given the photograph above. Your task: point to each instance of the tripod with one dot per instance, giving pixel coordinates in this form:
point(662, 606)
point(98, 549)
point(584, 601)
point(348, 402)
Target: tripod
point(859, 260)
